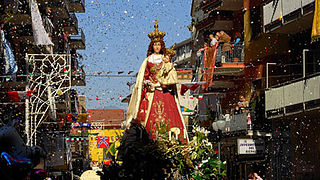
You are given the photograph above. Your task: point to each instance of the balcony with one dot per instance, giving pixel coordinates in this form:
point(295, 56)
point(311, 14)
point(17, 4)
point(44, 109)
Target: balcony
point(293, 97)
point(19, 85)
point(78, 77)
point(230, 63)
point(18, 10)
point(61, 9)
point(185, 74)
point(238, 122)
point(229, 5)
point(288, 17)
point(217, 20)
point(71, 24)
point(77, 6)
point(78, 41)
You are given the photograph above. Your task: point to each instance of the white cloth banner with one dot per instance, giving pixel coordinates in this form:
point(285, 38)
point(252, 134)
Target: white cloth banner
point(39, 33)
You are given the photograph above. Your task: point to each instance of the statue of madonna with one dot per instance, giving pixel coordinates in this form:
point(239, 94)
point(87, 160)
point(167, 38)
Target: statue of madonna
point(154, 98)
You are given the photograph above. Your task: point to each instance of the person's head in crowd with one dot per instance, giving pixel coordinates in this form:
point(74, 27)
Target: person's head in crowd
point(218, 34)
point(237, 35)
point(211, 36)
point(241, 98)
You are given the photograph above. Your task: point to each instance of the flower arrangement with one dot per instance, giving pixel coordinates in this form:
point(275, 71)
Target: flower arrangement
point(165, 157)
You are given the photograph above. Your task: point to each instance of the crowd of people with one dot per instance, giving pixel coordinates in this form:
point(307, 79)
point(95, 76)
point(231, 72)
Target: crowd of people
point(241, 107)
point(222, 41)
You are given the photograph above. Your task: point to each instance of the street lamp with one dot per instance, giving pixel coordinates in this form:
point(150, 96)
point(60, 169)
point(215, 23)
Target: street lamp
point(267, 73)
point(218, 126)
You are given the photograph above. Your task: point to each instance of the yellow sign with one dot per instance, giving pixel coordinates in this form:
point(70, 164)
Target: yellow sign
point(96, 154)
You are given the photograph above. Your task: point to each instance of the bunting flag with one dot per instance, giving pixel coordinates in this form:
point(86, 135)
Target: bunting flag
point(20, 95)
point(186, 86)
point(77, 139)
point(39, 33)
point(103, 142)
point(191, 96)
point(316, 22)
point(185, 109)
point(200, 97)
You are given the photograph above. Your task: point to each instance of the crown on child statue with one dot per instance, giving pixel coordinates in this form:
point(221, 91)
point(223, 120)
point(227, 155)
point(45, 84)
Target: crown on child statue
point(170, 51)
point(156, 35)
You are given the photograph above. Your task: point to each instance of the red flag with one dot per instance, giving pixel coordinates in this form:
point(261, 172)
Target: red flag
point(19, 95)
point(103, 142)
point(186, 87)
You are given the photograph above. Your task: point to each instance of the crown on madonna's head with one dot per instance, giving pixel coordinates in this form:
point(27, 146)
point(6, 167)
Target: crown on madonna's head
point(156, 35)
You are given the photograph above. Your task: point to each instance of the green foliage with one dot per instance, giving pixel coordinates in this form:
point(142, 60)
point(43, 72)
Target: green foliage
point(197, 158)
point(143, 158)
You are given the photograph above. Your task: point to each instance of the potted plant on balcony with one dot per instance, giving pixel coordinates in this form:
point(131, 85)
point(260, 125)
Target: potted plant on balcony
point(193, 23)
point(190, 27)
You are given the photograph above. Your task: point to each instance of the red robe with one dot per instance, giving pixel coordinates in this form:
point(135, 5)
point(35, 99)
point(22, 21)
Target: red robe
point(164, 107)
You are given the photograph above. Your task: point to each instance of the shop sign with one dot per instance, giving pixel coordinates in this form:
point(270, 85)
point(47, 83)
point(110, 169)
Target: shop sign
point(250, 146)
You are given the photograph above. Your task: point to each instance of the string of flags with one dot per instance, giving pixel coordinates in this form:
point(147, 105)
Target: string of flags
point(77, 139)
point(110, 73)
point(192, 96)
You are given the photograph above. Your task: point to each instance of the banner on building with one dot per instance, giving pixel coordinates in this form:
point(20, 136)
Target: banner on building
point(250, 146)
point(39, 33)
point(316, 22)
point(98, 154)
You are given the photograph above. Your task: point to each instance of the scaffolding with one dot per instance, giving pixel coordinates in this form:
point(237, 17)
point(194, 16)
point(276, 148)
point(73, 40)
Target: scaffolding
point(49, 76)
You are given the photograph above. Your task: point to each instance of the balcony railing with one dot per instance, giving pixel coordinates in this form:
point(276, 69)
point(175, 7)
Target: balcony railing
point(77, 6)
point(78, 77)
point(237, 122)
point(78, 41)
point(62, 9)
point(210, 4)
point(71, 24)
point(293, 97)
point(235, 55)
point(282, 12)
point(18, 10)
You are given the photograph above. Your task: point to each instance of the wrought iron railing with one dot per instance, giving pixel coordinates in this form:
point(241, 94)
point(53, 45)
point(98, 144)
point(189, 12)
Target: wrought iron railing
point(79, 36)
point(234, 55)
point(238, 122)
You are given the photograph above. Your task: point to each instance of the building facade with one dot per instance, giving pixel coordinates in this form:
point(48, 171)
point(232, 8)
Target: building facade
point(39, 57)
point(270, 75)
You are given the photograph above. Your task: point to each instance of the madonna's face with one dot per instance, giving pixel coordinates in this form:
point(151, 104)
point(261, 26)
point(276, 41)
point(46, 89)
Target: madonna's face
point(157, 47)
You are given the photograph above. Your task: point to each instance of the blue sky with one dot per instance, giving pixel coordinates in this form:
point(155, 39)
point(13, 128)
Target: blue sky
point(116, 40)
